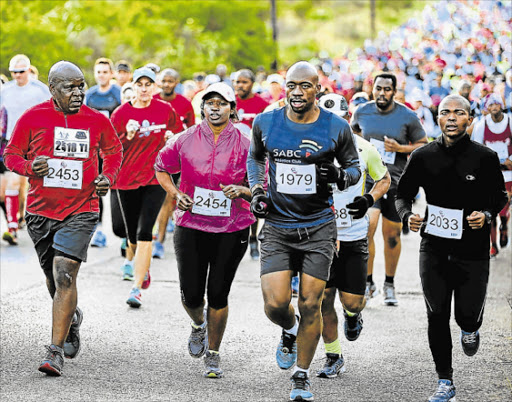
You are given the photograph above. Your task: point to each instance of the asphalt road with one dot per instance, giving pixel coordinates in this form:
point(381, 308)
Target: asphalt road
point(141, 355)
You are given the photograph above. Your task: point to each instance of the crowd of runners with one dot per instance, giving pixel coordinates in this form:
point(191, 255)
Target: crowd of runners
point(297, 167)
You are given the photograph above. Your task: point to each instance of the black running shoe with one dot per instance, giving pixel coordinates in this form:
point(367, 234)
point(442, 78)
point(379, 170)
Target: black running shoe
point(470, 342)
point(353, 326)
point(53, 361)
point(72, 343)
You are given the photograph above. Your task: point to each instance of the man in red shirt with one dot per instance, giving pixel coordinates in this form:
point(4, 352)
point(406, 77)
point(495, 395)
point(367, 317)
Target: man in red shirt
point(56, 144)
point(248, 106)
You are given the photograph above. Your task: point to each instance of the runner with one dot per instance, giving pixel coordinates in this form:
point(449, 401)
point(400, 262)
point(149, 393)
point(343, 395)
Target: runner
point(169, 79)
point(142, 126)
point(301, 143)
point(495, 131)
point(464, 189)
point(16, 97)
point(249, 105)
point(349, 266)
point(56, 144)
point(104, 97)
point(395, 131)
point(213, 217)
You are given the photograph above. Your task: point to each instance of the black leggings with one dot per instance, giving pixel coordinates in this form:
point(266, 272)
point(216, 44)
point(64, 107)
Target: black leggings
point(139, 209)
point(443, 275)
point(196, 251)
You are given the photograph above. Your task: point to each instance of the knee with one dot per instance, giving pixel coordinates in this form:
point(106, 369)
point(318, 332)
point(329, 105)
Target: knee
point(217, 302)
point(192, 301)
point(328, 301)
point(354, 305)
point(277, 306)
point(309, 307)
point(64, 279)
point(393, 241)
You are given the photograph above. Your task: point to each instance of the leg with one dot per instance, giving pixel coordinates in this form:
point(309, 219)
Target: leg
point(163, 217)
point(374, 215)
point(392, 245)
point(329, 316)
point(142, 262)
point(277, 296)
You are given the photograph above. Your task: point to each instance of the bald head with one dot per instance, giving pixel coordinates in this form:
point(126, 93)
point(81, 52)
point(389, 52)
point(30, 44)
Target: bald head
point(302, 70)
point(463, 102)
point(63, 71)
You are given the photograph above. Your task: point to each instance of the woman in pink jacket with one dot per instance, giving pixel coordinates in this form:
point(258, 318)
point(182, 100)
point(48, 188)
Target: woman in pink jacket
point(212, 219)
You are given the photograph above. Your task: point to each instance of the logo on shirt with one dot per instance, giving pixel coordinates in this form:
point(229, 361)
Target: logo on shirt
point(470, 177)
point(310, 147)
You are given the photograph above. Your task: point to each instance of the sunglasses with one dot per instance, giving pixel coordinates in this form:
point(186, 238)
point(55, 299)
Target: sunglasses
point(19, 72)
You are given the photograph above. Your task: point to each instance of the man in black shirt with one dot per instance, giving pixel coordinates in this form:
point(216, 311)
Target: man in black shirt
point(464, 190)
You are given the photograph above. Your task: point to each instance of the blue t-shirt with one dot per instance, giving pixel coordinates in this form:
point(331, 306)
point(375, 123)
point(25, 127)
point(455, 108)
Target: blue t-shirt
point(298, 198)
point(105, 102)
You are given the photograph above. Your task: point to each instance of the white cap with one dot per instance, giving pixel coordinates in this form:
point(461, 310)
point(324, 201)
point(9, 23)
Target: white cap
point(212, 79)
point(275, 78)
point(20, 60)
point(222, 89)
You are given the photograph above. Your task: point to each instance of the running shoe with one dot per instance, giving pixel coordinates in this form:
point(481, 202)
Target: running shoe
point(389, 294)
point(445, 392)
point(158, 250)
point(253, 245)
point(127, 272)
point(134, 300)
point(295, 286)
point(53, 362)
point(334, 365)
point(371, 290)
point(170, 226)
point(198, 339)
point(301, 387)
point(494, 250)
point(212, 363)
point(503, 236)
point(147, 280)
point(99, 239)
point(72, 343)
point(124, 244)
point(353, 326)
point(286, 353)
point(470, 342)
point(11, 237)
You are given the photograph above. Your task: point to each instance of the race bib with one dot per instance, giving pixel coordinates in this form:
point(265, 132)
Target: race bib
point(343, 219)
point(71, 143)
point(444, 222)
point(387, 157)
point(64, 174)
point(105, 113)
point(500, 147)
point(295, 179)
point(211, 203)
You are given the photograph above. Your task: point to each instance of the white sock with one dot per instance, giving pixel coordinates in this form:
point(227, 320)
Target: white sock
point(293, 330)
point(130, 263)
point(297, 368)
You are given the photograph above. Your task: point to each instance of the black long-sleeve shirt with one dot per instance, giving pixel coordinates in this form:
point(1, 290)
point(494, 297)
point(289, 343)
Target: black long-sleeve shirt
point(464, 176)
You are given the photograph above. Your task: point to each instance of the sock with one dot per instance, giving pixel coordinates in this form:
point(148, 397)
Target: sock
point(12, 205)
point(127, 262)
point(195, 326)
point(213, 352)
point(333, 347)
point(293, 330)
point(389, 279)
point(297, 368)
point(369, 278)
point(350, 314)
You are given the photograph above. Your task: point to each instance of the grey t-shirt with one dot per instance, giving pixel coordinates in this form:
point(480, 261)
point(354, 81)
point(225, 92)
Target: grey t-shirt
point(401, 124)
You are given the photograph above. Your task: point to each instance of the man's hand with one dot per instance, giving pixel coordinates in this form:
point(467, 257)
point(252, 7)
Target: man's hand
point(390, 145)
point(329, 172)
point(131, 128)
point(476, 220)
point(40, 166)
point(168, 134)
point(183, 201)
point(102, 184)
point(358, 207)
point(415, 221)
point(507, 164)
point(260, 203)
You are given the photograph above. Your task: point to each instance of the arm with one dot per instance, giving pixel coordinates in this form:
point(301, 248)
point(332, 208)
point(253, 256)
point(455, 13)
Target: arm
point(415, 134)
point(256, 158)
point(347, 157)
point(183, 201)
point(408, 187)
point(174, 124)
point(498, 196)
point(392, 145)
point(17, 149)
point(112, 153)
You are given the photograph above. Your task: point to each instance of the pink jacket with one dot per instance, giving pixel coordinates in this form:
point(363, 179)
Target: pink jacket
point(204, 164)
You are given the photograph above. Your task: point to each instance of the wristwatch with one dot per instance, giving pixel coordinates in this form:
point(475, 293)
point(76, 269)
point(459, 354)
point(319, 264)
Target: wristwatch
point(488, 217)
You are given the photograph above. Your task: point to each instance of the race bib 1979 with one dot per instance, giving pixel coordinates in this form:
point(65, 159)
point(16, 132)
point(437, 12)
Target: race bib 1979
point(71, 143)
point(295, 179)
point(211, 203)
point(444, 222)
point(343, 219)
point(387, 157)
point(64, 174)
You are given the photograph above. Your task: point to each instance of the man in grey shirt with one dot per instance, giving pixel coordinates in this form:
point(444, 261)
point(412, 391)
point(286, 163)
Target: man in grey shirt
point(395, 131)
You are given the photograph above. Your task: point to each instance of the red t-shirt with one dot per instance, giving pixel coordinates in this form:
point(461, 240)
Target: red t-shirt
point(72, 142)
point(140, 152)
point(183, 107)
point(249, 108)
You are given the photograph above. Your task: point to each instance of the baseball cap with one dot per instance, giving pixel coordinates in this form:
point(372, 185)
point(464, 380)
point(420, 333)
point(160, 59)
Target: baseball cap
point(144, 72)
point(275, 78)
point(494, 99)
point(123, 65)
point(154, 67)
point(334, 103)
point(222, 89)
point(21, 61)
point(212, 79)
